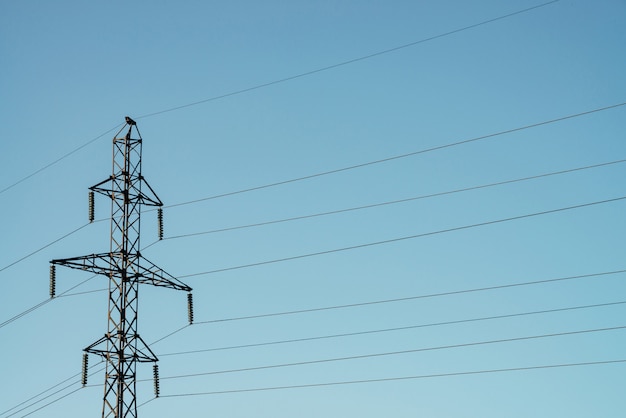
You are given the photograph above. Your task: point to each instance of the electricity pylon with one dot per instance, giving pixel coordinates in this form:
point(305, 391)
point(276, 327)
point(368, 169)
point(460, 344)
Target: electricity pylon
point(122, 347)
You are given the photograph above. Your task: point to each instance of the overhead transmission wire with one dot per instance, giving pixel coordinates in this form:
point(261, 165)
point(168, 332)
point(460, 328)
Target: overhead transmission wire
point(391, 202)
point(49, 403)
point(396, 378)
point(48, 396)
point(379, 354)
point(371, 355)
point(395, 300)
point(334, 307)
point(436, 324)
point(391, 353)
point(274, 314)
point(40, 304)
point(75, 150)
point(552, 211)
point(415, 297)
point(399, 239)
point(395, 329)
point(286, 79)
point(265, 186)
point(43, 247)
point(56, 392)
point(352, 61)
point(397, 157)
point(66, 294)
point(404, 238)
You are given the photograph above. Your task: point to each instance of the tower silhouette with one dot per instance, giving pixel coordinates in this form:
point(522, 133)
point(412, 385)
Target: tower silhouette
point(122, 347)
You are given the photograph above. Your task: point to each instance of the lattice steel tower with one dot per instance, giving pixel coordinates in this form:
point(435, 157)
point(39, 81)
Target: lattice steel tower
point(122, 347)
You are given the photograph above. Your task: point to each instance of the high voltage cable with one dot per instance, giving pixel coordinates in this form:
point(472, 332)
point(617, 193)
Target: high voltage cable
point(146, 402)
point(467, 320)
point(58, 159)
point(282, 80)
point(345, 169)
point(48, 396)
point(43, 248)
point(284, 220)
point(407, 298)
point(331, 212)
point(62, 389)
point(64, 294)
point(404, 328)
point(352, 305)
point(49, 403)
point(393, 353)
point(389, 379)
point(172, 333)
point(82, 293)
point(351, 61)
point(368, 303)
point(312, 338)
point(40, 304)
point(392, 202)
point(389, 241)
point(536, 282)
point(396, 157)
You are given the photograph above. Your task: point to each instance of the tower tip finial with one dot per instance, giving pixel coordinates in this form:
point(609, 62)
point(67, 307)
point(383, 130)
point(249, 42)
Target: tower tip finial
point(130, 121)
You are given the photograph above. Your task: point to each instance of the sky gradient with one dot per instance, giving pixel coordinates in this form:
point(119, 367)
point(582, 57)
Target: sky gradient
point(384, 208)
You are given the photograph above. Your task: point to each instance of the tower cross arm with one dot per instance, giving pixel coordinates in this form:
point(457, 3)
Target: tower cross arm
point(156, 276)
point(95, 263)
point(109, 188)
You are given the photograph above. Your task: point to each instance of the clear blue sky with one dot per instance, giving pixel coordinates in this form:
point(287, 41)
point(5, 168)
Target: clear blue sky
point(71, 71)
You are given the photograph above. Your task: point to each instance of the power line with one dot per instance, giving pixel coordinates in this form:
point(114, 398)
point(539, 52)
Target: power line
point(313, 338)
point(86, 292)
point(50, 403)
point(171, 333)
point(58, 159)
point(330, 212)
point(146, 402)
point(389, 379)
point(395, 353)
point(66, 387)
point(40, 304)
point(392, 202)
point(389, 241)
point(26, 312)
point(404, 328)
point(379, 330)
point(43, 248)
point(407, 298)
point(384, 203)
point(396, 157)
point(364, 304)
point(282, 80)
point(351, 61)
point(48, 396)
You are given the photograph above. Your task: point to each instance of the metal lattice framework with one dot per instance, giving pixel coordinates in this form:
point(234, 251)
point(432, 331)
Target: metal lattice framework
point(122, 347)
